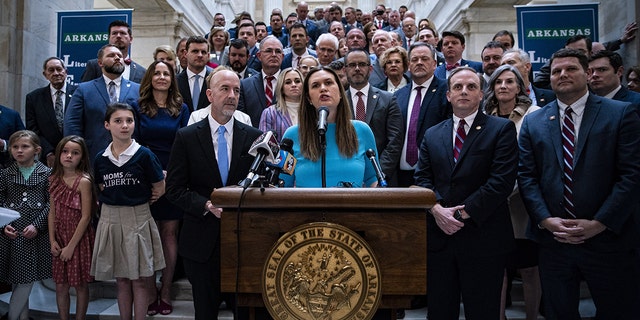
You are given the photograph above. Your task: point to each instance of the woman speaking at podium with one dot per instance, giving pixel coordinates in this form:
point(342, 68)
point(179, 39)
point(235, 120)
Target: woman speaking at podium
point(346, 140)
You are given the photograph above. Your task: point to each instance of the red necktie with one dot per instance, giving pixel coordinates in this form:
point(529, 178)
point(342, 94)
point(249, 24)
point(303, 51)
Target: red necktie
point(361, 113)
point(452, 66)
point(298, 62)
point(408, 42)
point(460, 136)
point(127, 61)
point(412, 144)
point(568, 140)
point(269, 90)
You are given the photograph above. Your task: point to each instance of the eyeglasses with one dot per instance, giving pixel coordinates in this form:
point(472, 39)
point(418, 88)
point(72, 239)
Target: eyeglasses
point(272, 51)
point(360, 65)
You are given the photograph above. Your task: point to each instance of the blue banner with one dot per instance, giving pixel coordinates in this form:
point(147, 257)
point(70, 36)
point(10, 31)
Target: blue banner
point(81, 34)
point(543, 29)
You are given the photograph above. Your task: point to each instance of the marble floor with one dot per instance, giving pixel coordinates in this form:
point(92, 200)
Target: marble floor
point(43, 307)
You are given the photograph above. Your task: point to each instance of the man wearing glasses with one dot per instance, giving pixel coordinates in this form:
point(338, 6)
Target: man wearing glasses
point(258, 92)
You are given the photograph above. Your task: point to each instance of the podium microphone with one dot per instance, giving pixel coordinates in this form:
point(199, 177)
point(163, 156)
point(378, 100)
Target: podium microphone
point(264, 148)
point(284, 163)
point(379, 174)
point(323, 113)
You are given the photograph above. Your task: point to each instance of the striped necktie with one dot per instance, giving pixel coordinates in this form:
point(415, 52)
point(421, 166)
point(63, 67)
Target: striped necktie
point(568, 147)
point(461, 134)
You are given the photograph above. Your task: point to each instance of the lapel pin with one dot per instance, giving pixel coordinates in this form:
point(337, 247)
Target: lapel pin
point(375, 97)
point(552, 118)
point(478, 127)
point(434, 90)
point(128, 84)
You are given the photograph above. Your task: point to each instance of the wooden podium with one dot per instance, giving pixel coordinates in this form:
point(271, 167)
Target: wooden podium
point(392, 221)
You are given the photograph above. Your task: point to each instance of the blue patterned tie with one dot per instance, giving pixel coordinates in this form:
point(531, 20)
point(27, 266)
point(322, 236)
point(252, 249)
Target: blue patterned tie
point(568, 147)
point(223, 158)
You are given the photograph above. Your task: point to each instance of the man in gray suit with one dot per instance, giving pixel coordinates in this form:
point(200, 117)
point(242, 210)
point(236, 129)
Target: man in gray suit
point(378, 109)
point(119, 35)
point(86, 111)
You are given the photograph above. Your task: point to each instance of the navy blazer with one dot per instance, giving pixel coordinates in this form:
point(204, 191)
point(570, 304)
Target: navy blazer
point(627, 95)
point(253, 99)
point(192, 174)
point(41, 117)
point(385, 120)
point(287, 61)
point(481, 180)
point(606, 171)
point(185, 91)
point(543, 96)
point(93, 71)
point(434, 109)
point(86, 110)
point(10, 122)
point(441, 70)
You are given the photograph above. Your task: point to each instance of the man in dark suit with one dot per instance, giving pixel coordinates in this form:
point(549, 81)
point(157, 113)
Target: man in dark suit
point(419, 116)
point(10, 122)
point(350, 20)
point(302, 9)
point(582, 196)
point(119, 35)
point(298, 39)
point(381, 41)
point(253, 93)
point(606, 72)
point(191, 81)
point(238, 54)
point(45, 108)
point(453, 45)
point(470, 162)
point(378, 109)
point(521, 60)
point(195, 169)
point(87, 107)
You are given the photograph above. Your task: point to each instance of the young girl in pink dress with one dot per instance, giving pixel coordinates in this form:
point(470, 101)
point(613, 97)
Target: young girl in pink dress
point(71, 235)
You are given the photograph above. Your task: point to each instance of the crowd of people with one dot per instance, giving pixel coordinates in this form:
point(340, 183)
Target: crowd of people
point(534, 177)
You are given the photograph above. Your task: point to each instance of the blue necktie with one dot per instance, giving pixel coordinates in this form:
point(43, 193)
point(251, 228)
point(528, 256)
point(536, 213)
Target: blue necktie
point(196, 91)
point(223, 158)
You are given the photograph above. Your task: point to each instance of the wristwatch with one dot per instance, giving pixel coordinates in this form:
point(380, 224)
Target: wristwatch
point(458, 216)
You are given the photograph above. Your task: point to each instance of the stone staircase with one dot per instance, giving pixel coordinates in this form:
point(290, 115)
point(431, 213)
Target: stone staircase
point(103, 305)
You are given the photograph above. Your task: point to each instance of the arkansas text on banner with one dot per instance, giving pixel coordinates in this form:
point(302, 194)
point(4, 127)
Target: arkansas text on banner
point(81, 34)
point(543, 29)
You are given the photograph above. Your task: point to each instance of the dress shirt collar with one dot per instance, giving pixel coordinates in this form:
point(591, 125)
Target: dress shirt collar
point(468, 120)
point(613, 93)
point(117, 81)
point(425, 85)
point(577, 107)
point(364, 90)
point(125, 156)
point(63, 89)
point(213, 124)
point(202, 73)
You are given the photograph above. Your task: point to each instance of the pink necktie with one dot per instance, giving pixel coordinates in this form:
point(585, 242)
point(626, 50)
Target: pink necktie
point(269, 90)
point(412, 144)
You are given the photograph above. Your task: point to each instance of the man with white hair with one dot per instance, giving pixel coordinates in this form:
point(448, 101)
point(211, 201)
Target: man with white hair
point(326, 48)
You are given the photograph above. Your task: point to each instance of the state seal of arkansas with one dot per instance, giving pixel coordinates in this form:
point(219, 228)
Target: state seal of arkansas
point(320, 271)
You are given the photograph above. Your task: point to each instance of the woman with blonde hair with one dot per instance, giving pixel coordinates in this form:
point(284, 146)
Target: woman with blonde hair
point(284, 113)
point(218, 44)
point(165, 53)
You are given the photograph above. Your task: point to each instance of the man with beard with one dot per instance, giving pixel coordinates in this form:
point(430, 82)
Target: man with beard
point(119, 35)
point(45, 108)
point(85, 114)
point(491, 59)
point(238, 54)
point(258, 92)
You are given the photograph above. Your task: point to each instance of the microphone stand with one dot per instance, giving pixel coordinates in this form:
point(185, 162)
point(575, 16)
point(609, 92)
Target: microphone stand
point(323, 153)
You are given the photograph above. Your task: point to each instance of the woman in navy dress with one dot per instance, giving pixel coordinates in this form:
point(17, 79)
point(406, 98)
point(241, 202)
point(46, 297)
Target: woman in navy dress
point(161, 113)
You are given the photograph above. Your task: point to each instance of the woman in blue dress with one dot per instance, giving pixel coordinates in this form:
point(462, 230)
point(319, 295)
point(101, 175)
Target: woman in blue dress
point(161, 113)
point(347, 140)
